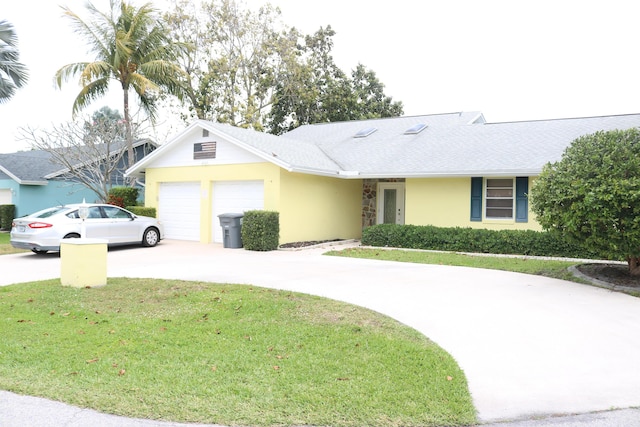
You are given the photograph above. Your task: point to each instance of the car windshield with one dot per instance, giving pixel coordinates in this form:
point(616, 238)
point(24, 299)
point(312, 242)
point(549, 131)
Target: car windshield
point(46, 213)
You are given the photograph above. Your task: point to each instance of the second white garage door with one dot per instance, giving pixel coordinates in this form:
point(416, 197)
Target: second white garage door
point(179, 210)
point(235, 197)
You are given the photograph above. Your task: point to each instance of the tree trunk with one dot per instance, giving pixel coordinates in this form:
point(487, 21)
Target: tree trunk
point(129, 136)
point(634, 266)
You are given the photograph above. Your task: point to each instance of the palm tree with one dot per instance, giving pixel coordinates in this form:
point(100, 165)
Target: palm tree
point(132, 47)
point(13, 74)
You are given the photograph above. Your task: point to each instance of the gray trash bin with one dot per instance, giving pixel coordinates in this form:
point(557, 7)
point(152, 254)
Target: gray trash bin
point(231, 224)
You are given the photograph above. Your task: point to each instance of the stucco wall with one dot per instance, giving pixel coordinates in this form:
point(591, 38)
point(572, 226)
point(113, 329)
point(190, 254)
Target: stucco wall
point(207, 175)
point(31, 198)
point(310, 207)
point(445, 202)
point(319, 208)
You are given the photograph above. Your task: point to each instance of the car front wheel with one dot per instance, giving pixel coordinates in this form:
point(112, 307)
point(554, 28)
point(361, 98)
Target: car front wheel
point(151, 237)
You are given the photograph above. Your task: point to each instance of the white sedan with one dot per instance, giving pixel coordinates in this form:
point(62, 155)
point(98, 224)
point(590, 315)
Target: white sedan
point(42, 231)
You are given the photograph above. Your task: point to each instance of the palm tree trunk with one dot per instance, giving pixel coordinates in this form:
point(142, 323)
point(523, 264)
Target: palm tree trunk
point(129, 136)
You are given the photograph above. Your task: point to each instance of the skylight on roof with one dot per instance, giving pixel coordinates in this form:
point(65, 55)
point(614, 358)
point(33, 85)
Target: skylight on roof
point(415, 129)
point(365, 132)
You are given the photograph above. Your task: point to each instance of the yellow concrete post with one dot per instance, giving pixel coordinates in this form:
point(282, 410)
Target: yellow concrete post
point(83, 262)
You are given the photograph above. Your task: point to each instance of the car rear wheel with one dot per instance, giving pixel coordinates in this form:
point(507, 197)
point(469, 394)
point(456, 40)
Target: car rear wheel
point(151, 237)
point(72, 236)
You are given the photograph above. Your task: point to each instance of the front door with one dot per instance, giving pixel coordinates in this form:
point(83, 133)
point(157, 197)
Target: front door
point(390, 203)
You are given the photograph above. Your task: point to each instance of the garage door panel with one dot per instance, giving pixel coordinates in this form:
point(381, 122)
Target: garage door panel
point(179, 210)
point(235, 197)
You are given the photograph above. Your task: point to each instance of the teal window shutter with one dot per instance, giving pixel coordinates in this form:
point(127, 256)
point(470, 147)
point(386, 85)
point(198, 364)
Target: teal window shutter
point(522, 201)
point(476, 199)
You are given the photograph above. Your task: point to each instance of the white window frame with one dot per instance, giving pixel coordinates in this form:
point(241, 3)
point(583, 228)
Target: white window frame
point(487, 198)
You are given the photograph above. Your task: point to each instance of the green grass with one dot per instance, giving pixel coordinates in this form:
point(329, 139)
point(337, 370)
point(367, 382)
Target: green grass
point(225, 354)
point(5, 246)
point(548, 268)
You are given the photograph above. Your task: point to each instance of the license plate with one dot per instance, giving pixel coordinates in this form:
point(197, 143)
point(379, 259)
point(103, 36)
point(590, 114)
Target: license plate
point(21, 228)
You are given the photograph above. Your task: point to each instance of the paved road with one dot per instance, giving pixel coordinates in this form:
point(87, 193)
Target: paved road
point(530, 346)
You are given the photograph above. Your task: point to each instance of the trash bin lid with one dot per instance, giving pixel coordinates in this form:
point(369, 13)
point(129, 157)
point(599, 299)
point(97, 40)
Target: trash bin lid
point(231, 215)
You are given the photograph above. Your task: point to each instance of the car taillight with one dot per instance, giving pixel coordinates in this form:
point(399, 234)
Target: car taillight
point(40, 225)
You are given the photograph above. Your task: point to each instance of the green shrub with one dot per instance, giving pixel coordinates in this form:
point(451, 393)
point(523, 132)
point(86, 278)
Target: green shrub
point(142, 210)
point(458, 239)
point(7, 213)
point(123, 196)
point(260, 230)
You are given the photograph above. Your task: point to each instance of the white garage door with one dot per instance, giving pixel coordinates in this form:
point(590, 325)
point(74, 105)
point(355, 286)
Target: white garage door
point(235, 197)
point(179, 210)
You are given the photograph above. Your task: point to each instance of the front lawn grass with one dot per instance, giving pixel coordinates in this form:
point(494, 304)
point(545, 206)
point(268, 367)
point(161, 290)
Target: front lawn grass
point(225, 354)
point(541, 267)
point(5, 245)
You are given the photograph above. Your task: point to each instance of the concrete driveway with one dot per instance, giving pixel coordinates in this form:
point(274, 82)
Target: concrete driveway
point(530, 346)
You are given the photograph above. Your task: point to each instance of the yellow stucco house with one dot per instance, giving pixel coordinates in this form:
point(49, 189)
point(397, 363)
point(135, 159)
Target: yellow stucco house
point(329, 181)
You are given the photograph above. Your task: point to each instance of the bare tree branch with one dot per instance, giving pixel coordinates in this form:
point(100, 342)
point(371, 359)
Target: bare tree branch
point(88, 152)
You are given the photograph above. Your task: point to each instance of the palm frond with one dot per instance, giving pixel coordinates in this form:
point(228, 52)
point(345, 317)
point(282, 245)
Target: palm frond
point(8, 34)
point(95, 71)
point(65, 73)
point(14, 71)
point(95, 33)
point(13, 74)
point(147, 92)
point(167, 75)
point(89, 93)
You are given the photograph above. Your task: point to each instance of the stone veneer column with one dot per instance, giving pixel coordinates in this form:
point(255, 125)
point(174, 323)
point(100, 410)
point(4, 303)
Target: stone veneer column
point(369, 202)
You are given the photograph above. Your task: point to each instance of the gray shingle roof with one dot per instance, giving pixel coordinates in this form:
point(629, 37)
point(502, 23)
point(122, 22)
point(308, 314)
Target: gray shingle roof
point(447, 148)
point(455, 144)
point(37, 167)
point(28, 166)
point(297, 153)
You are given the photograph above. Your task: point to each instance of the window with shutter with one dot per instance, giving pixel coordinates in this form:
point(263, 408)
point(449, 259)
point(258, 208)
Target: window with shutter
point(500, 198)
point(476, 199)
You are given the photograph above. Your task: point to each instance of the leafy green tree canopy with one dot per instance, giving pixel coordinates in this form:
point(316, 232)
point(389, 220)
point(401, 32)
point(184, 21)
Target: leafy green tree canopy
point(592, 195)
point(233, 61)
point(247, 68)
point(313, 89)
point(107, 121)
point(13, 74)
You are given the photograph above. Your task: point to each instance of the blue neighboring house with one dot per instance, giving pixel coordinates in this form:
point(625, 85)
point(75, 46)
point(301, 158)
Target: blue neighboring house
point(31, 181)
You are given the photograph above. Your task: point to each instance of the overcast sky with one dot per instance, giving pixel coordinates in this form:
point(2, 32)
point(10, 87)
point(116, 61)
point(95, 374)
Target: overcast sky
point(509, 59)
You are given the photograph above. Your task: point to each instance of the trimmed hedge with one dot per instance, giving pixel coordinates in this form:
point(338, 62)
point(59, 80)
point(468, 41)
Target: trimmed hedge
point(260, 230)
point(123, 196)
point(7, 214)
point(458, 239)
point(142, 211)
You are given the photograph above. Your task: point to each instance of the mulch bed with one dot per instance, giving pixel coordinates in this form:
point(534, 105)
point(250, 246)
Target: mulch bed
point(307, 243)
point(616, 274)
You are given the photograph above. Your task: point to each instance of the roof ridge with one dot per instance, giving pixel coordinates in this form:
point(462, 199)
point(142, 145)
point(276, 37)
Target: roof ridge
point(413, 116)
point(564, 118)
